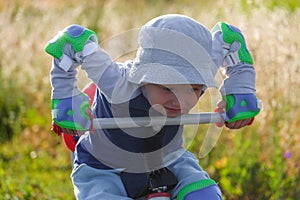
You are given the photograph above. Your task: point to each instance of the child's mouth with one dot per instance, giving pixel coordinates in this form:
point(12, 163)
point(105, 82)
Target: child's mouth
point(173, 112)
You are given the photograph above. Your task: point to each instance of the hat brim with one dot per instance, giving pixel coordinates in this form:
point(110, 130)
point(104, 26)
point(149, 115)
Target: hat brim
point(163, 74)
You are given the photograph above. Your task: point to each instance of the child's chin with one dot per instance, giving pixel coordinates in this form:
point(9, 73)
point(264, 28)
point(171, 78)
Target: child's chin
point(173, 114)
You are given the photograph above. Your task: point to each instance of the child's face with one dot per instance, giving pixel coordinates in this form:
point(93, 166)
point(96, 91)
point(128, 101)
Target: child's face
point(173, 100)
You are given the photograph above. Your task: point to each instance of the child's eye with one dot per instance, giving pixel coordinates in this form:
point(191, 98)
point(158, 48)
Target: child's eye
point(196, 91)
point(167, 89)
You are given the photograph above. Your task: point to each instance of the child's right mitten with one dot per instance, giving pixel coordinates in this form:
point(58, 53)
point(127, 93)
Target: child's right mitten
point(69, 104)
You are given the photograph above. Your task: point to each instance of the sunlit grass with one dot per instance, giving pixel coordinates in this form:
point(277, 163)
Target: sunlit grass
point(35, 165)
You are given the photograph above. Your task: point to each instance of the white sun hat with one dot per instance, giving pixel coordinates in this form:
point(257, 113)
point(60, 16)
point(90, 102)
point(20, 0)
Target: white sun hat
point(174, 49)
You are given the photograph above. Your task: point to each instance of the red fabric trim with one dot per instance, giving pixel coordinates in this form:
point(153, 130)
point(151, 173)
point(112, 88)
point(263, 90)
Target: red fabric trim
point(158, 194)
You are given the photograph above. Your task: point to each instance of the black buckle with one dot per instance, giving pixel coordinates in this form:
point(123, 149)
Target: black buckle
point(161, 180)
point(139, 185)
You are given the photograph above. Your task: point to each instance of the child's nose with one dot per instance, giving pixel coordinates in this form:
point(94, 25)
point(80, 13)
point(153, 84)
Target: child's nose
point(180, 100)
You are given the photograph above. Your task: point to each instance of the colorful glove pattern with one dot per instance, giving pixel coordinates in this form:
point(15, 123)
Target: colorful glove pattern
point(76, 35)
point(71, 113)
point(234, 44)
point(241, 106)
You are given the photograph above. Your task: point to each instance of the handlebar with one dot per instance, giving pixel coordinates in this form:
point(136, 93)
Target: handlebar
point(136, 122)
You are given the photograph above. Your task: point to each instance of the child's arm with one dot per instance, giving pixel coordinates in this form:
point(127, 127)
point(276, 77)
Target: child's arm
point(238, 89)
point(84, 50)
point(69, 104)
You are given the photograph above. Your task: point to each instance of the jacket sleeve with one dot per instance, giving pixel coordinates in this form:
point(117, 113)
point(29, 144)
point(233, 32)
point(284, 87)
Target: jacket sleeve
point(109, 76)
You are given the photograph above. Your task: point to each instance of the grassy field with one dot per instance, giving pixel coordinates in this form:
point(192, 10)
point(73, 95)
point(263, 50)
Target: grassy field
point(258, 162)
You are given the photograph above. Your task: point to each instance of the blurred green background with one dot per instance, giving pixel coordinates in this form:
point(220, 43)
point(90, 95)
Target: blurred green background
point(257, 162)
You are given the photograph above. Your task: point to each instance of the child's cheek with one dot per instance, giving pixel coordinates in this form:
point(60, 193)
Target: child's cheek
point(159, 108)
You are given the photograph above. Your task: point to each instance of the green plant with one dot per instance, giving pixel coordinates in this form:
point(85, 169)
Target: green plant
point(11, 109)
